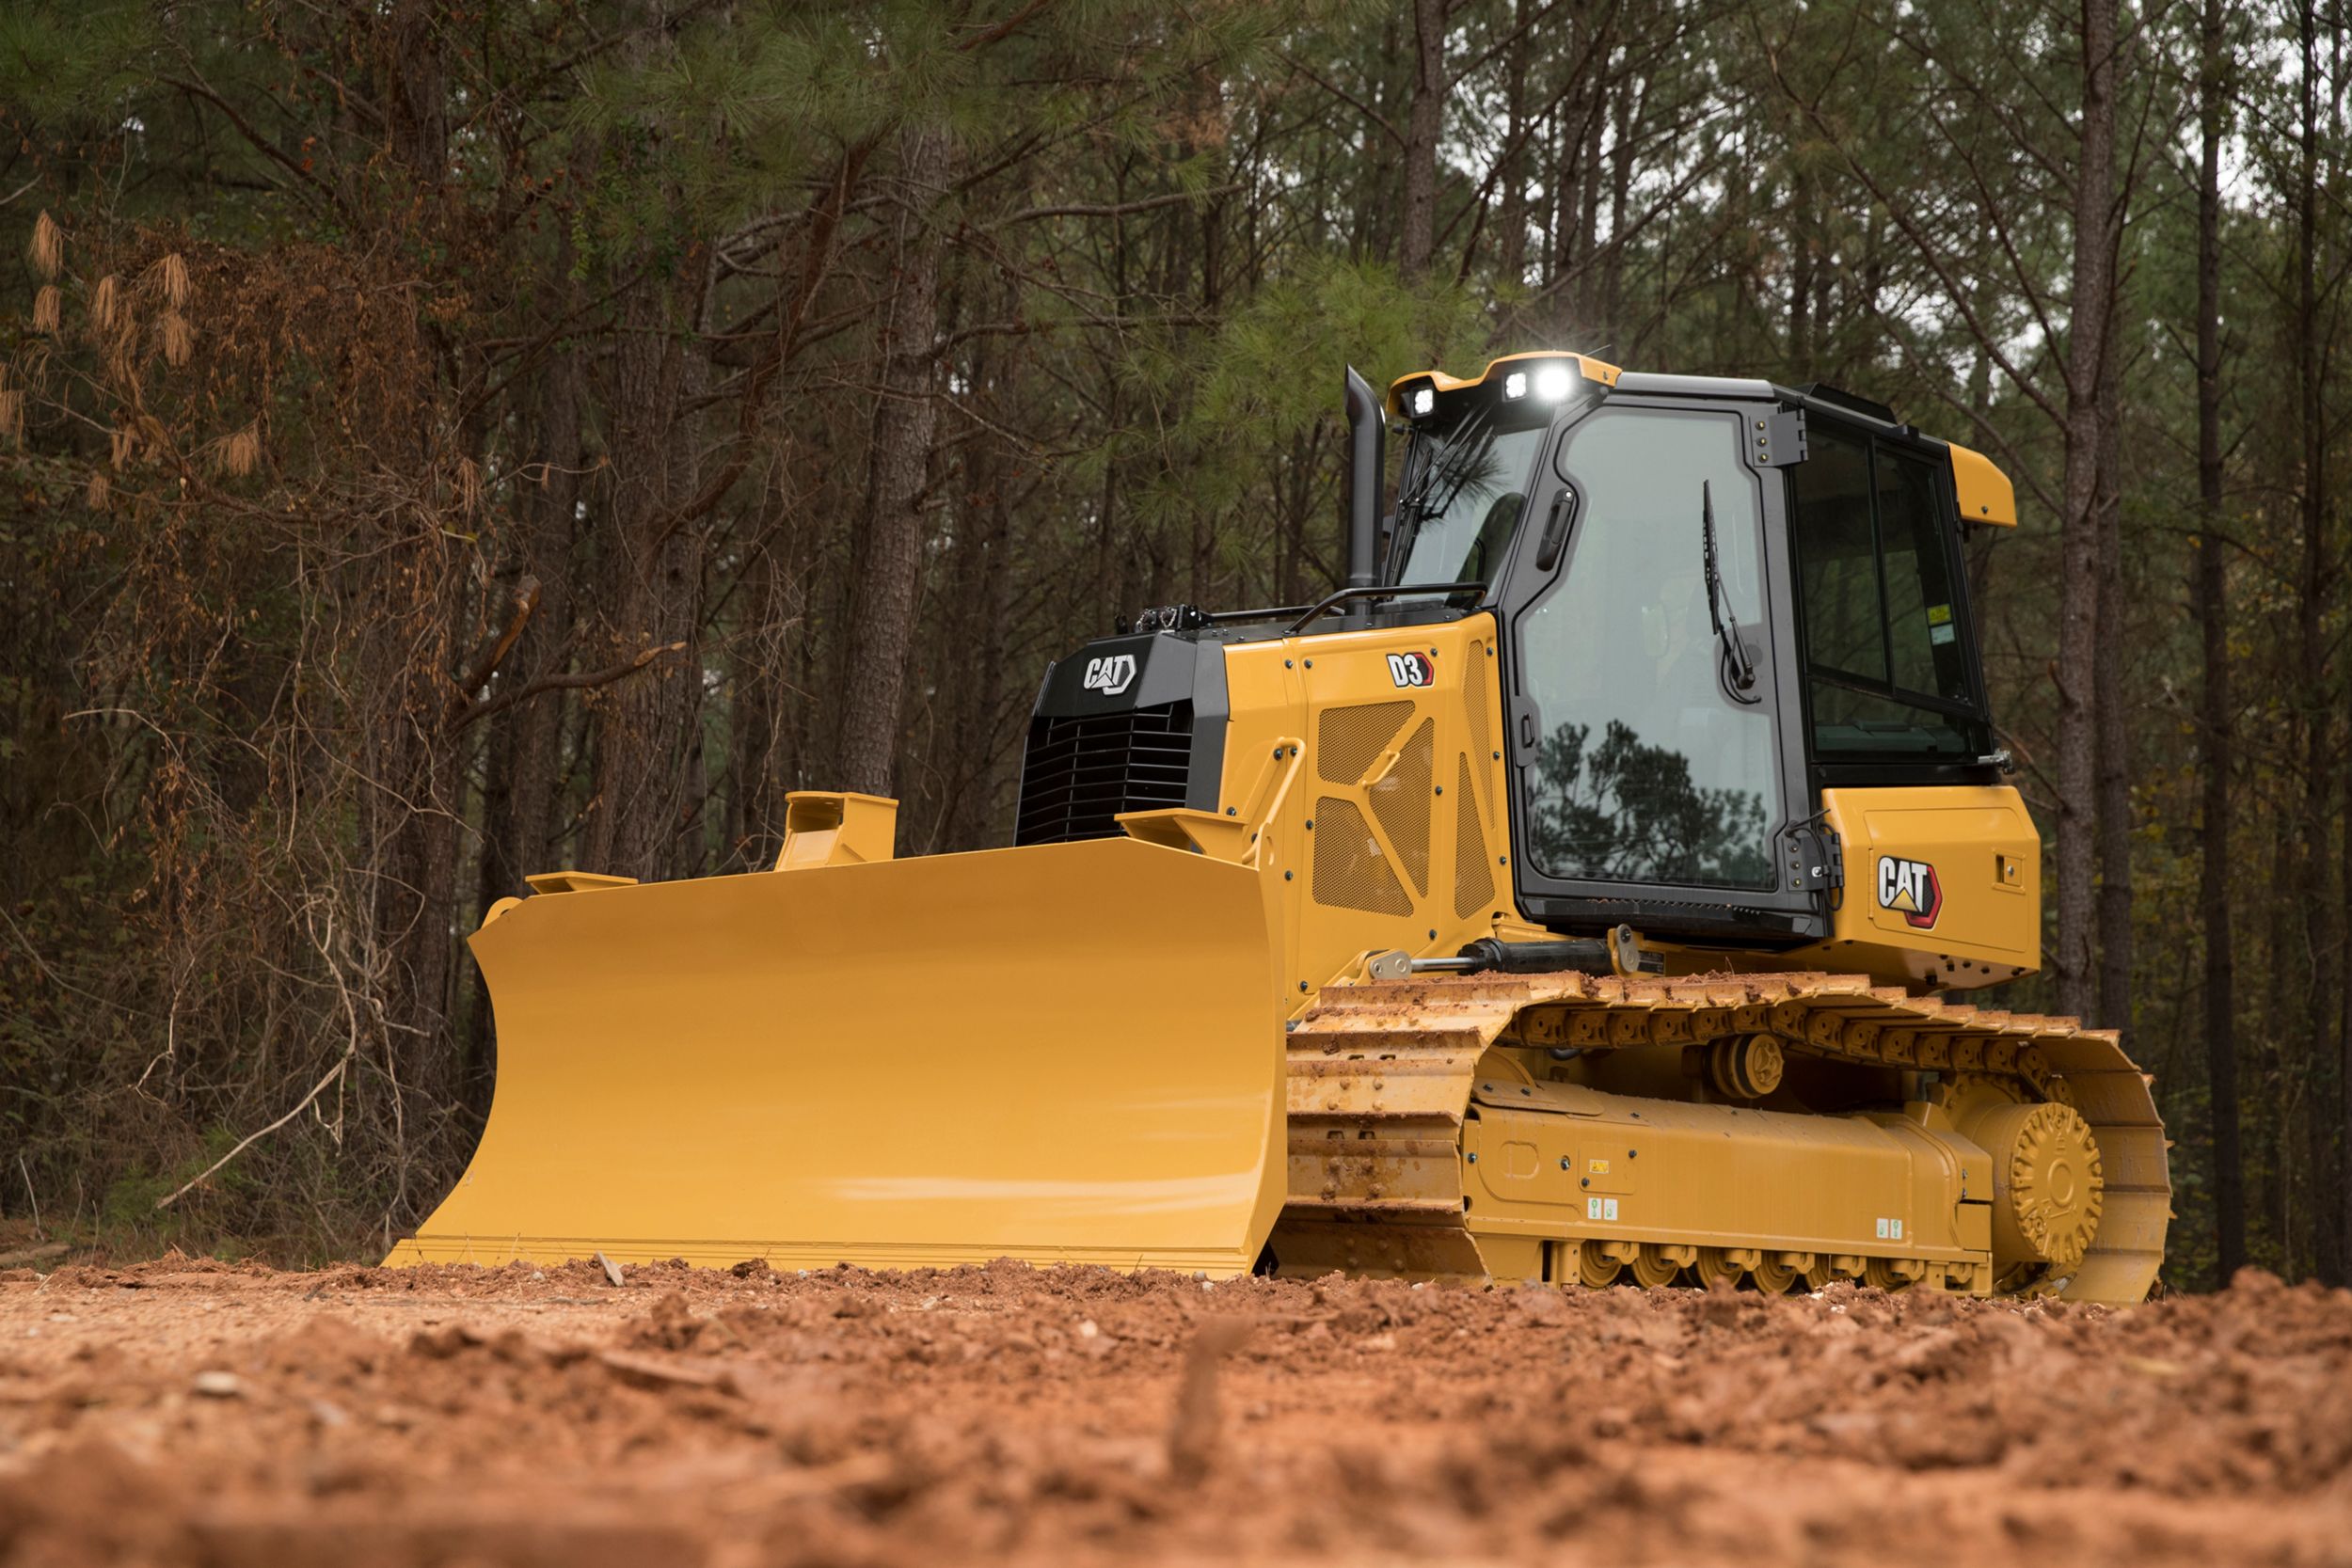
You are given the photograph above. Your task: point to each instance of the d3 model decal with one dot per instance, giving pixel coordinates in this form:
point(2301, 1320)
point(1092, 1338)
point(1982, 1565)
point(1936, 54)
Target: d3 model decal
point(1411, 670)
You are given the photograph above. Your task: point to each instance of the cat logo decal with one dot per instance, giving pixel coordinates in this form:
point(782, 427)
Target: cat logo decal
point(1910, 888)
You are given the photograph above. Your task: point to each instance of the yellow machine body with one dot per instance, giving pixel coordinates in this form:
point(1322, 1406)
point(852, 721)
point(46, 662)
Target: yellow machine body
point(1986, 858)
point(1198, 1045)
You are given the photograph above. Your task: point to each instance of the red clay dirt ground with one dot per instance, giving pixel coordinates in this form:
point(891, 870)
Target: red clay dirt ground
point(185, 1412)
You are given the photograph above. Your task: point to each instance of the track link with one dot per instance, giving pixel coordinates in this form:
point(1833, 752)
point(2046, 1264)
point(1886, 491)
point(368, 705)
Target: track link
point(1380, 1079)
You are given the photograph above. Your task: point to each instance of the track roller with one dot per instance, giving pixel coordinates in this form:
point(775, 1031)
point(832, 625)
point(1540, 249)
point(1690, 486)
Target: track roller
point(1725, 1263)
point(1658, 1266)
point(1893, 1274)
point(1598, 1263)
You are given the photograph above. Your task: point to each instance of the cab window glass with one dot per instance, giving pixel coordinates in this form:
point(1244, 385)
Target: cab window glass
point(1462, 488)
point(1845, 618)
point(1887, 673)
point(1922, 638)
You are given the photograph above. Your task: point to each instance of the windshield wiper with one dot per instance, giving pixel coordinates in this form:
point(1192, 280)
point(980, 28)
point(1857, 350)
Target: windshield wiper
point(1440, 478)
point(1737, 668)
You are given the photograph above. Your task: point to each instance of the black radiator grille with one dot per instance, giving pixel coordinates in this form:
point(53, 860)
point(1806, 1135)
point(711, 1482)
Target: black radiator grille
point(1079, 773)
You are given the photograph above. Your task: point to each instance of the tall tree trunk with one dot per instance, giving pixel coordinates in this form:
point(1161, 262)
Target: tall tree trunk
point(2217, 724)
point(411, 808)
point(1803, 231)
point(768, 640)
point(2315, 589)
point(974, 654)
point(2115, 749)
point(2339, 1187)
point(1512, 249)
point(890, 562)
point(2078, 592)
point(647, 723)
point(1626, 112)
point(1588, 284)
point(521, 769)
point(408, 816)
point(1423, 126)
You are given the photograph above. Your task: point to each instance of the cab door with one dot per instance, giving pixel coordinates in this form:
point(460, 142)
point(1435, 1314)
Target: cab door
point(1650, 666)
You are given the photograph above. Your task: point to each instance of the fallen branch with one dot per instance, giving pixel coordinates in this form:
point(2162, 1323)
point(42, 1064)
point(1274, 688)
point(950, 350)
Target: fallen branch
point(350, 1050)
point(251, 1138)
point(24, 1256)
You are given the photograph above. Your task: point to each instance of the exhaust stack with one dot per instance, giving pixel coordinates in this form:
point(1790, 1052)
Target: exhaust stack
point(1367, 435)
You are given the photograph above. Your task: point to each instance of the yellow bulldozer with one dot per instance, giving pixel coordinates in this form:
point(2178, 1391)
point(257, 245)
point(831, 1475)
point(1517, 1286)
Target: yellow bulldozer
point(1571, 896)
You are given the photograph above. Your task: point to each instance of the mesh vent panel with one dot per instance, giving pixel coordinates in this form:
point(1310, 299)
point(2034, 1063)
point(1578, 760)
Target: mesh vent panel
point(1480, 744)
point(1350, 871)
point(1348, 738)
point(1078, 775)
point(1400, 802)
point(1473, 878)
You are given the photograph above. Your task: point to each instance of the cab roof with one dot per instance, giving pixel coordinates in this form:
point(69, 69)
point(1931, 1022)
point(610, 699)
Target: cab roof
point(1984, 493)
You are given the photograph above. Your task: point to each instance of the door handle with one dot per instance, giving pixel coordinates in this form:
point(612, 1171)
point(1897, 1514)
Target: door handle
point(1556, 521)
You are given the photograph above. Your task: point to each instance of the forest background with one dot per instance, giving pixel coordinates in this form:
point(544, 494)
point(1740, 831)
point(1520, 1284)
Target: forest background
point(443, 440)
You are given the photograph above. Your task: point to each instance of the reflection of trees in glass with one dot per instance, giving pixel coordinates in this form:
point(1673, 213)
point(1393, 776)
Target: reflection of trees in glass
point(1628, 811)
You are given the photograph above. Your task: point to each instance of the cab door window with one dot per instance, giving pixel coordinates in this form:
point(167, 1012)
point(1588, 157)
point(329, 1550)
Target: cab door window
point(1649, 765)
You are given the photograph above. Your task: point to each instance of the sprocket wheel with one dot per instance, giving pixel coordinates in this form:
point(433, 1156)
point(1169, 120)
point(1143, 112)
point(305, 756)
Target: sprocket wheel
point(2049, 1187)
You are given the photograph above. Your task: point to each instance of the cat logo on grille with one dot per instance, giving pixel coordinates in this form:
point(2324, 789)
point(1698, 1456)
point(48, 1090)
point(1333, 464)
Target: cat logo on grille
point(1110, 674)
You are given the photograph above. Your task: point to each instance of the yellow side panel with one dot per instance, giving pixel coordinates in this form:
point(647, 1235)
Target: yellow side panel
point(1061, 1053)
point(1396, 832)
point(1943, 885)
point(1985, 493)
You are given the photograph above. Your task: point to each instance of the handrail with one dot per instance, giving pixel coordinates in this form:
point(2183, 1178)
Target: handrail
point(1330, 601)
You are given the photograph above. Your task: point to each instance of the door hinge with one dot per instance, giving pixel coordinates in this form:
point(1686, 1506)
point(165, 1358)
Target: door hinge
point(1817, 857)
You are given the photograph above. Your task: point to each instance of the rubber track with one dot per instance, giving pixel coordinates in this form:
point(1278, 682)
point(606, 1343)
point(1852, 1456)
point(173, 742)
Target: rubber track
point(1380, 1079)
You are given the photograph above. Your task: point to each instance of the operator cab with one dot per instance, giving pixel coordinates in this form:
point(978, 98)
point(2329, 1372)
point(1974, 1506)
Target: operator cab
point(1719, 598)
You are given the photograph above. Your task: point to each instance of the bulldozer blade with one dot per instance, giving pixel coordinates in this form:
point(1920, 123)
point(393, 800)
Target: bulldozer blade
point(1060, 1053)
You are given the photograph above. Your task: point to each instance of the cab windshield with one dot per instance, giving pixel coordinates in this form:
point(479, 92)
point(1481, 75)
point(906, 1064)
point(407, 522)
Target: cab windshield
point(1466, 476)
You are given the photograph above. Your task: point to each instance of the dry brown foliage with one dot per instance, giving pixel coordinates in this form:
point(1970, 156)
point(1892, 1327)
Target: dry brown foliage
point(170, 276)
point(179, 338)
point(241, 452)
point(282, 785)
point(47, 249)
